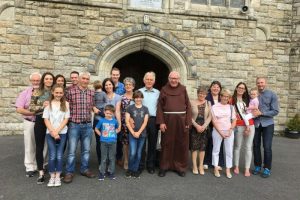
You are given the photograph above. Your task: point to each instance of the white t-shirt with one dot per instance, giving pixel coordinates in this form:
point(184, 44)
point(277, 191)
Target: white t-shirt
point(56, 116)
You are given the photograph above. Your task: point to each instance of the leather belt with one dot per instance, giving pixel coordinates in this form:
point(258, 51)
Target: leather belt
point(30, 120)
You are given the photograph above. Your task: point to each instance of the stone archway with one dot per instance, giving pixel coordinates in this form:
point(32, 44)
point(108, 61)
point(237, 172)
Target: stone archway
point(147, 38)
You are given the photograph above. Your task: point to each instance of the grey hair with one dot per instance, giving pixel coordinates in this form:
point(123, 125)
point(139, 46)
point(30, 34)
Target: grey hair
point(150, 73)
point(35, 73)
point(130, 80)
point(225, 91)
point(84, 73)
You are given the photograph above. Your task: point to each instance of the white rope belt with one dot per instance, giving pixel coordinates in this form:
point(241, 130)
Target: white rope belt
point(183, 112)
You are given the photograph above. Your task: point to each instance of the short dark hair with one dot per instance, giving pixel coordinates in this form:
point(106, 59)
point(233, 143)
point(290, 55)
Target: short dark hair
point(109, 107)
point(137, 94)
point(216, 83)
point(75, 72)
point(115, 69)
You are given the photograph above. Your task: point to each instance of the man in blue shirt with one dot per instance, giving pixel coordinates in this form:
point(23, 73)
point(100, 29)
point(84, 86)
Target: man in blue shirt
point(115, 76)
point(150, 101)
point(120, 90)
point(264, 127)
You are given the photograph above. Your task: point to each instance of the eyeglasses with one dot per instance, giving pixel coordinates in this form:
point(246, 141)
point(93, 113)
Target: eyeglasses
point(241, 88)
point(171, 78)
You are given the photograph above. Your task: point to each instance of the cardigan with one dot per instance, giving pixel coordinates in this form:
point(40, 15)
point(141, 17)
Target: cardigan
point(207, 112)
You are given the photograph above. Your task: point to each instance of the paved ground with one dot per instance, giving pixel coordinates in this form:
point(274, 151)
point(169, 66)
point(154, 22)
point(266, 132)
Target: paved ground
point(283, 184)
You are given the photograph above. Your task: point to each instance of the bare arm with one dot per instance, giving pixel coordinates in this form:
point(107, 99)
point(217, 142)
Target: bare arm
point(97, 131)
point(127, 121)
point(144, 124)
point(118, 114)
point(24, 111)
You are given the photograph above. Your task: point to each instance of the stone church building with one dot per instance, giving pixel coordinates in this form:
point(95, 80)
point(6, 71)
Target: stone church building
point(205, 40)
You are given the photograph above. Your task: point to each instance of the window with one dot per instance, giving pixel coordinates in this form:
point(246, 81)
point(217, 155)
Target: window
point(232, 3)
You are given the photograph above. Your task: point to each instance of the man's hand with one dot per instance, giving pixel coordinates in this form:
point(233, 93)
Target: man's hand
point(163, 127)
point(256, 113)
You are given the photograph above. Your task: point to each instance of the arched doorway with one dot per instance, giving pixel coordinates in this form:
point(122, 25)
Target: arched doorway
point(136, 64)
point(151, 40)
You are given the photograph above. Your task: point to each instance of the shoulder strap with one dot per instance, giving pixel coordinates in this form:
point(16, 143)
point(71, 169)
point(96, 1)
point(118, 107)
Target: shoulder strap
point(230, 113)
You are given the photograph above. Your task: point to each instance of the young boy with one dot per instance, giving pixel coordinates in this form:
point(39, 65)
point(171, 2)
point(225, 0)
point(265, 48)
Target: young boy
point(253, 104)
point(100, 100)
point(139, 114)
point(107, 129)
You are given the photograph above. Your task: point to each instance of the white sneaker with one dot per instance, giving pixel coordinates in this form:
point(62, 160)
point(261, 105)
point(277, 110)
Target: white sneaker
point(57, 182)
point(51, 182)
point(205, 166)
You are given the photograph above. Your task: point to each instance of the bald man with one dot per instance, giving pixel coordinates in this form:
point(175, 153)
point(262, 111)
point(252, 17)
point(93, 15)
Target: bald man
point(264, 128)
point(174, 117)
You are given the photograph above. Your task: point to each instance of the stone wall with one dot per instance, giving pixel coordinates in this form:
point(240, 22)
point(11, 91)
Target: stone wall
point(226, 45)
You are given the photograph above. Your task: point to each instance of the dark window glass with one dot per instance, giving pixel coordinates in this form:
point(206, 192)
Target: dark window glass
point(200, 2)
point(237, 3)
point(218, 2)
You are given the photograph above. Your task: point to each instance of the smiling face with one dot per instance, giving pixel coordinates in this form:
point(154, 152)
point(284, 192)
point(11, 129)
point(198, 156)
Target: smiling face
point(224, 98)
point(240, 89)
point(174, 79)
point(261, 84)
point(201, 96)
point(253, 94)
point(35, 81)
point(84, 80)
point(115, 76)
point(108, 114)
point(128, 86)
point(138, 100)
point(215, 89)
point(109, 88)
point(58, 93)
point(74, 78)
point(149, 81)
point(48, 81)
point(60, 81)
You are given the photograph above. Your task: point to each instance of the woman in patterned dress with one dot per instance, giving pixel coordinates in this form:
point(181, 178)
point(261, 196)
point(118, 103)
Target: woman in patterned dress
point(198, 133)
point(127, 100)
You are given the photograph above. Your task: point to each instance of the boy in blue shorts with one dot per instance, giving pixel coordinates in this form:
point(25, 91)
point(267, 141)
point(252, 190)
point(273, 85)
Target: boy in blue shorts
point(107, 129)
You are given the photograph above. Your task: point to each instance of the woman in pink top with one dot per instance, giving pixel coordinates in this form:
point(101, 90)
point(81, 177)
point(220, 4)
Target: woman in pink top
point(224, 120)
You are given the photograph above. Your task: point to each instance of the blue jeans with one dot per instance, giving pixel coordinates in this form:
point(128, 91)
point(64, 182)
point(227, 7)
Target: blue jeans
point(82, 132)
point(135, 152)
point(108, 156)
point(266, 133)
point(55, 153)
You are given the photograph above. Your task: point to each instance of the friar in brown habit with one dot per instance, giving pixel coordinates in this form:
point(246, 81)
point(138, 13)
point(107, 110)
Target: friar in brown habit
point(174, 117)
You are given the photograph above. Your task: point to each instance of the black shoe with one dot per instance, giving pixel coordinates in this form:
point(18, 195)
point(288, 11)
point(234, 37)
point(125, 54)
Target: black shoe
point(62, 175)
point(182, 174)
point(136, 174)
point(162, 173)
point(30, 173)
point(41, 179)
point(128, 174)
point(151, 171)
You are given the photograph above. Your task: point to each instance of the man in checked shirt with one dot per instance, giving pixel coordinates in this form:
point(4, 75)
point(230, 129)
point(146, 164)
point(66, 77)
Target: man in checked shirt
point(81, 100)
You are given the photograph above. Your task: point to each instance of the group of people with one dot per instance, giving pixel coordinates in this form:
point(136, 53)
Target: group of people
point(123, 120)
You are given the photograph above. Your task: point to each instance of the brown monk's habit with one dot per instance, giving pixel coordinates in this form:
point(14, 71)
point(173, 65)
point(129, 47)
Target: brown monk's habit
point(175, 141)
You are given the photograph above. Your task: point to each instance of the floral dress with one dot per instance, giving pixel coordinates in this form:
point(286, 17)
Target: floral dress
point(198, 141)
point(125, 102)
